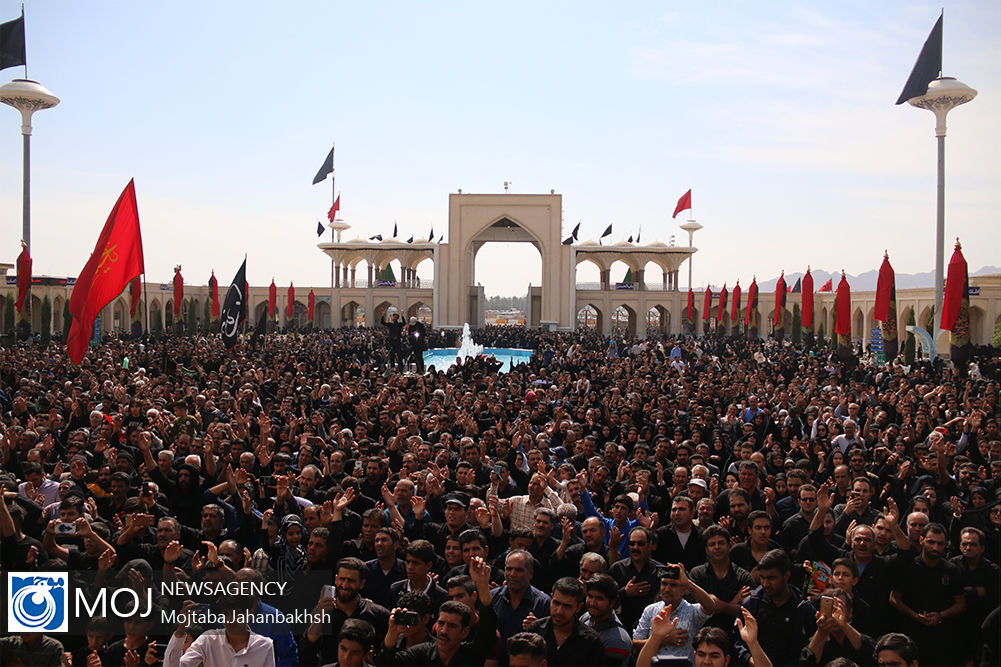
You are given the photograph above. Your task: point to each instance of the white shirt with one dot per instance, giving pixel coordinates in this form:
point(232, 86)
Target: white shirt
point(48, 489)
point(212, 649)
point(689, 616)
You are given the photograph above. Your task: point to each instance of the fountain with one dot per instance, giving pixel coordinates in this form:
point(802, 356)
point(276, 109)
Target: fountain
point(445, 357)
point(467, 348)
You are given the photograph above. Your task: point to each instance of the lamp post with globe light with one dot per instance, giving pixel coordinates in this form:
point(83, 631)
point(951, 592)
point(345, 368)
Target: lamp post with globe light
point(691, 227)
point(943, 95)
point(26, 96)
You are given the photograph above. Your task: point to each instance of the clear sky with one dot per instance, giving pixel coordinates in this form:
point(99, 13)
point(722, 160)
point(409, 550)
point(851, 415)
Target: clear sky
point(779, 116)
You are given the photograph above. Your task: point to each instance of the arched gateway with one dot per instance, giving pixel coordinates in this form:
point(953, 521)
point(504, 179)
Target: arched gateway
point(476, 219)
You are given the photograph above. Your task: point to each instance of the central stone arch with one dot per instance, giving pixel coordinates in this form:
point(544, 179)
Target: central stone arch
point(478, 219)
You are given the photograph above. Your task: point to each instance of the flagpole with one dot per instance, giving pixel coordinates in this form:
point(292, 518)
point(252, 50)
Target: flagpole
point(145, 298)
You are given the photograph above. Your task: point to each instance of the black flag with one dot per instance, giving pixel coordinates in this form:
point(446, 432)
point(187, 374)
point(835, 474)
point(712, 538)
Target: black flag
point(568, 240)
point(607, 232)
point(798, 287)
point(574, 232)
point(377, 237)
point(928, 66)
point(12, 43)
point(326, 168)
point(410, 240)
point(319, 228)
point(394, 229)
point(630, 240)
point(259, 330)
point(441, 238)
point(232, 307)
point(431, 235)
point(640, 231)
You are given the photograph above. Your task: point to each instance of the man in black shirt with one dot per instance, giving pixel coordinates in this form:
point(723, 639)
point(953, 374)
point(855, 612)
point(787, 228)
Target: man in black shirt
point(979, 579)
point(785, 618)
point(394, 329)
point(927, 592)
point(319, 643)
point(720, 577)
point(568, 641)
point(638, 576)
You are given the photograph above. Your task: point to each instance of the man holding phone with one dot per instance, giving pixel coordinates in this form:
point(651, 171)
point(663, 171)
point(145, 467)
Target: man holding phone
point(687, 617)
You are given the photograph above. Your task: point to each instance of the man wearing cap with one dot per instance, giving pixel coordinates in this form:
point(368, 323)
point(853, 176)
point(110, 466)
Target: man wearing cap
point(456, 514)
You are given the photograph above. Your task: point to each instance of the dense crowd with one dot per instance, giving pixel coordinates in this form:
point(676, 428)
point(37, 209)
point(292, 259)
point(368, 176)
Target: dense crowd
point(614, 501)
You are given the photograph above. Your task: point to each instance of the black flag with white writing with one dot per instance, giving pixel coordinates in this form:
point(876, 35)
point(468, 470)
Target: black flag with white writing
point(232, 308)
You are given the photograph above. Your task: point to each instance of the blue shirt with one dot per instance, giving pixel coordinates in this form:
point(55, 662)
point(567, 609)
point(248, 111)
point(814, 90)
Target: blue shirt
point(286, 651)
point(509, 618)
point(590, 510)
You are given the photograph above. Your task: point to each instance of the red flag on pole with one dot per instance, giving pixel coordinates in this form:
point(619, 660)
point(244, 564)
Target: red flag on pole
point(178, 290)
point(721, 310)
point(135, 294)
point(290, 308)
point(707, 306)
point(23, 276)
point(312, 305)
point(780, 301)
point(807, 311)
point(884, 289)
point(691, 304)
point(735, 315)
point(272, 298)
point(117, 259)
point(955, 284)
point(684, 203)
point(828, 286)
point(214, 292)
point(752, 300)
point(843, 325)
point(332, 213)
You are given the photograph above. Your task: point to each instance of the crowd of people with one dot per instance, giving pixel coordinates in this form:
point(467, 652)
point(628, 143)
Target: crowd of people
point(704, 501)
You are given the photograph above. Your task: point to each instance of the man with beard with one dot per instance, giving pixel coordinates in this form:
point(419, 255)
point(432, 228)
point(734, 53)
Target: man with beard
point(319, 643)
point(637, 576)
point(928, 593)
point(185, 495)
point(568, 640)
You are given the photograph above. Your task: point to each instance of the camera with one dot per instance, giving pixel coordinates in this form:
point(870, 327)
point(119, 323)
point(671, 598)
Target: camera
point(672, 572)
point(407, 618)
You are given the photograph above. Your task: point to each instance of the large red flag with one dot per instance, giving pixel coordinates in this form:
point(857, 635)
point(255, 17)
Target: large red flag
point(691, 304)
point(828, 286)
point(178, 290)
point(290, 308)
point(955, 285)
point(843, 325)
point(332, 213)
point(884, 288)
point(707, 306)
point(312, 305)
point(135, 293)
point(214, 293)
point(807, 311)
point(117, 259)
point(780, 301)
point(272, 298)
point(752, 300)
point(735, 315)
point(684, 203)
point(23, 276)
point(721, 310)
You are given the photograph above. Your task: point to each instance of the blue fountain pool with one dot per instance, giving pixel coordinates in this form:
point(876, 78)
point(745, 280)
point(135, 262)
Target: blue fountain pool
point(444, 357)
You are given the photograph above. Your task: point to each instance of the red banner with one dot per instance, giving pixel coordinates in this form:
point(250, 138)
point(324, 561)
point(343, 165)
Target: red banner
point(23, 277)
point(290, 308)
point(272, 298)
point(843, 325)
point(955, 285)
point(178, 290)
point(117, 259)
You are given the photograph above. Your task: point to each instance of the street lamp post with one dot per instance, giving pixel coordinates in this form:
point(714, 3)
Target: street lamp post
point(27, 97)
point(943, 95)
point(691, 227)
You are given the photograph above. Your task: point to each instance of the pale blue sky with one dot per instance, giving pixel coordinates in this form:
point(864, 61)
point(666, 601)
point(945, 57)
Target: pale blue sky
point(780, 116)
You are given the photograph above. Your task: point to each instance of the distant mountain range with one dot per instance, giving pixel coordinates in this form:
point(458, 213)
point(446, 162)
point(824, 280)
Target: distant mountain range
point(864, 282)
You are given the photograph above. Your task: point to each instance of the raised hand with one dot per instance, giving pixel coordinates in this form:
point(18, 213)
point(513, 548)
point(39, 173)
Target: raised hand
point(528, 621)
point(172, 551)
point(748, 626)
